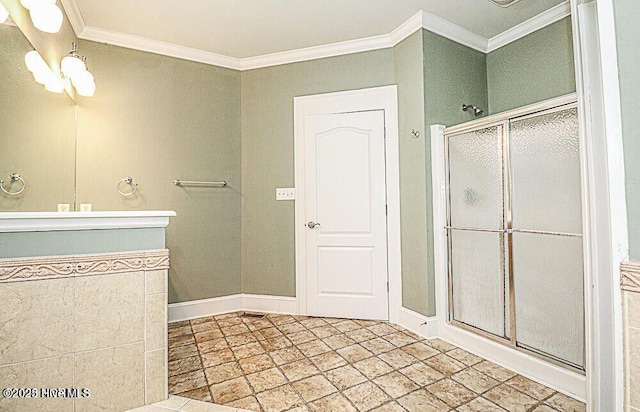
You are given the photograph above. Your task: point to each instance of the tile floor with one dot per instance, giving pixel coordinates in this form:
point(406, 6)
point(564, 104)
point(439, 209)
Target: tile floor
point(297, 363)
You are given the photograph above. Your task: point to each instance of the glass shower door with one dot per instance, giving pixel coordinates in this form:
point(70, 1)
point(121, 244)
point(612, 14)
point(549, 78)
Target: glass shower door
point(476, 229)
point(546, 208)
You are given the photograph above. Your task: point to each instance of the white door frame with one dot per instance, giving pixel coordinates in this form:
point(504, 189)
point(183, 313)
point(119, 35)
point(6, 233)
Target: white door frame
point(377, 98)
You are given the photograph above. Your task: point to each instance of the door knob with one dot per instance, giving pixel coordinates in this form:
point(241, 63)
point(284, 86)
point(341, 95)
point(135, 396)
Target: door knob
point(312, 225)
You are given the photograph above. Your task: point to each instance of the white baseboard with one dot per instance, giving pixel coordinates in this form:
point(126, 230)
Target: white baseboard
point(233, 303)
point(424, 326)
point(269, 304)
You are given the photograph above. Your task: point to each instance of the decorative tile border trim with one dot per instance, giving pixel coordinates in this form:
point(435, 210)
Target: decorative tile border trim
point(51, 267)
point(630, 276)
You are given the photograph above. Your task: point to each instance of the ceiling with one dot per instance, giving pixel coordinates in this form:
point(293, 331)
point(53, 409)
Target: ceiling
point(248, 28)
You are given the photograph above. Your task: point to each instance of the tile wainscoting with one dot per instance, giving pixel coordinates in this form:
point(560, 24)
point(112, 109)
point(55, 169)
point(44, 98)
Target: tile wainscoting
point(630, 284)
point(94, 321)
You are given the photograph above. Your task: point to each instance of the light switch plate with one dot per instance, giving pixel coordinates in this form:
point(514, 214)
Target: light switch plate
point(285, 193)
point(85, 207)
point(64, 207)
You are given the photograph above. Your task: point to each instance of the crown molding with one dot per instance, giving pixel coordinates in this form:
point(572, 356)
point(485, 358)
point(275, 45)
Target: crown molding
point(74, 15)
point(451, 31)
point(158, 47)
point(535, 23)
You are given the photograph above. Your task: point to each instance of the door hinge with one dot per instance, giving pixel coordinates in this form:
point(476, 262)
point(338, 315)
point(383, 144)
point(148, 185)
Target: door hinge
point(386, 210)
point(387, 287)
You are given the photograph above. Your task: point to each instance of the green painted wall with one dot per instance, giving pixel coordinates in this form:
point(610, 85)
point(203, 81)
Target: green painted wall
point(268, 252)
point(37, 136)
point(408, 58)
point(157, 119)
point(31, 244)
point(453, 75)
point(534, 68)
point(627, 15)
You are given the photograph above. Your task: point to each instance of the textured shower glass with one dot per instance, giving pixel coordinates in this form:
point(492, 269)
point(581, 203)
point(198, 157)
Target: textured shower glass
point(548, 280)
point(545, 171)
point(478, 280)
point(476, 179)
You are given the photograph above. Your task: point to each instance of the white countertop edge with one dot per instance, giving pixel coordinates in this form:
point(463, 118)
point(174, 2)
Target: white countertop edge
point(54, 221)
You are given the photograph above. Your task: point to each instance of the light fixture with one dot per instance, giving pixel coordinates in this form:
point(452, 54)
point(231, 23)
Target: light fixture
point(4, 14)
point(45, 14)
point(74, 67)
point(42, 73)
point(505, 3)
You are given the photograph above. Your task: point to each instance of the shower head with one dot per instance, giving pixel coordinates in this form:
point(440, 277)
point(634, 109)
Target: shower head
point(476, 110)
point(504, 3)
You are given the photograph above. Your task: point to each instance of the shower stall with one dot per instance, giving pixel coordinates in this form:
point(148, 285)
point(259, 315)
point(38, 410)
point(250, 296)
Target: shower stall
point(514, 231)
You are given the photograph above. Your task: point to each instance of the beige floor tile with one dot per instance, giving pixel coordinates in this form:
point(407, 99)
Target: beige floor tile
point(421, 374)
point(445, 364)
point(279, 399)
point(180, 324)
point(335, 402)
point(313, 348)
point(258, 324)
point(496, 372)
point(230, 390)
point(286, 355)
point(390, 407)
point(475, 380)
point(544, 408)
point(204, 327)
point(480, 405)
point(200, 394)
point(354, 353)
point(267, 379)
point(208, 335)
point(256, 363)
point(249, 403)
point(345, 377)
point(226, 315)
point(399, 339)
point(398, 359)
point(338, 341)
point(421, 400)
point(395, 384)
point(217, 358)
point(276, 343)
point(311, 323)
point(299, 370)
point(382, 329)
point(281, 319)
point(224, 372)
point(184, 351)
point(420, 350)
point(378, 346)
point(366, 396)
point(212, 345)
point(362, 335)
point(441, 345)
point(290, 328)
point(465, 357)
point(346, 326)
point(202, 320)
point(248, 350)
point(373, 367)
point(328, 361)
point(451, 392)
point(225, 323)
point(267, 333)
point(184, 365)
point(531, 388)
point(325, 331)
point(313, 388)
point(510, 399)
point(242, 339)
point(186, 382)
point(565, 404)
point(365, 323)
point(235, 330)
point(179, 331)
point(181, 340)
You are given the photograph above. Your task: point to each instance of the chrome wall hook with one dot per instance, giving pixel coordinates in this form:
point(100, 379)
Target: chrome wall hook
point(128, 180)
point(476, 110)
point(416, 133)
point(14, 178)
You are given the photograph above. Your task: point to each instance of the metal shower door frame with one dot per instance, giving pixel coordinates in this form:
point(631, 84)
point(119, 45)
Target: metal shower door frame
point(507, 267)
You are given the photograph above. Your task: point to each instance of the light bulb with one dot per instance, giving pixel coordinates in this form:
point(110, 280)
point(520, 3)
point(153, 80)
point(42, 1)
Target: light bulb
point(84, 83)
point(46, 17)
point(54, 84)
point(27, 4)
point(4, 14)
point(86, 90)
point(35, 63)
point(72, 66)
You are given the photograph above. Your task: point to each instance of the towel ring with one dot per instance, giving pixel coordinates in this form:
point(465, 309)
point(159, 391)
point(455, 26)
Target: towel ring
point(14, 178)
point(128, 180)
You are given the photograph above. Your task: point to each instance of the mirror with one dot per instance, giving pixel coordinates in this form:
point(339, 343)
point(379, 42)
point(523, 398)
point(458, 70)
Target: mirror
point(37, 134)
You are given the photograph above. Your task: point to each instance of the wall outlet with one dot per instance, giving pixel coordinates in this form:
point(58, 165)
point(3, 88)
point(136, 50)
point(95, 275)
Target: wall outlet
point(285, 193)
point(64, 207)
point(85, 207)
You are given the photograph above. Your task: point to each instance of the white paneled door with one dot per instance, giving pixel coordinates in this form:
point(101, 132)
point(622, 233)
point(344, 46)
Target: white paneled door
point(345, 197)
